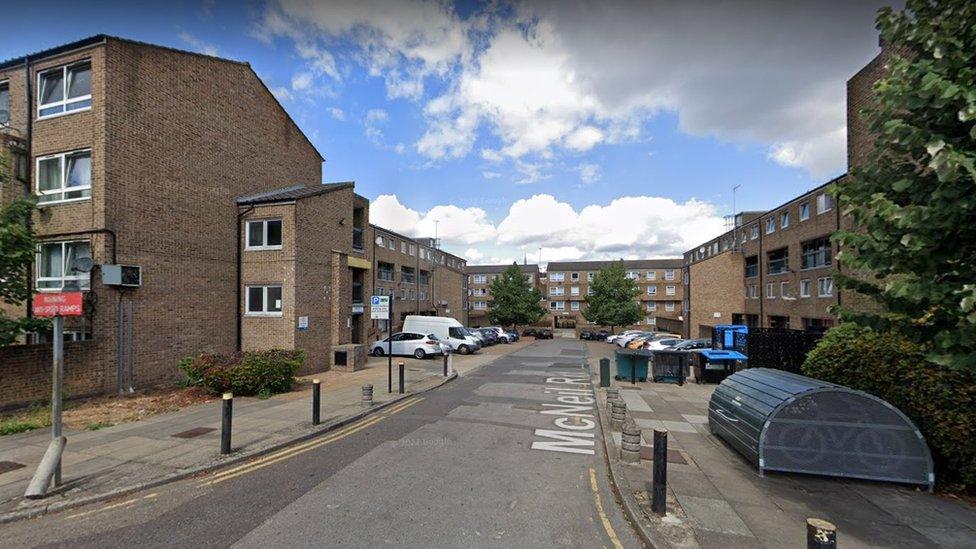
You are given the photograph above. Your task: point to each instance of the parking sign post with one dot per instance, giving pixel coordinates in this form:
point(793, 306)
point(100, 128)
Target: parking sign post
point(381, 308)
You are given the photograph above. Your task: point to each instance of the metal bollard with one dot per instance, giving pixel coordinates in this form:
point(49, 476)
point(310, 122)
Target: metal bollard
point(630, 441)
point(604, 372)
point(367, 399)
point(316, 400)
point(821, 534)
point(227, 414)
point(659, 491)
point(400, 365)
point(618, 414)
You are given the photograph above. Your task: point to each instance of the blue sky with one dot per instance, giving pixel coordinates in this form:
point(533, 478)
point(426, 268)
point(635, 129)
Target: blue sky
point(590, 132)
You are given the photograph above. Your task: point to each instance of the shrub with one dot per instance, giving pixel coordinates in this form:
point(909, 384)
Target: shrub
point(940, 400)
point(250, 373)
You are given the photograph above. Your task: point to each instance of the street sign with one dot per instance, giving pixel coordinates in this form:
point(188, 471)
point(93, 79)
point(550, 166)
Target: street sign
point(303, 323)
point(57, 304)
point(379, 307)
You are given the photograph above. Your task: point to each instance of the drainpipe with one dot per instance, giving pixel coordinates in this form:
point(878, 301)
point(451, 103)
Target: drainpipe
point(240, 278)
point(762, 287)
point(30, 163)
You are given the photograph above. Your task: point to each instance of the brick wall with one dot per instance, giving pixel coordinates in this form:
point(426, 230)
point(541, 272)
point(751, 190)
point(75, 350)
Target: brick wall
point(860, 93)
point(25, 372)
point(716, 291)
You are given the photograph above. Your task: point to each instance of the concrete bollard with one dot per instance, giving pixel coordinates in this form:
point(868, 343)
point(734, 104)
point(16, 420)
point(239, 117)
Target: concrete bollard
point(821, 534)
point(618, 414)
point(367, 395)
point(630, 441)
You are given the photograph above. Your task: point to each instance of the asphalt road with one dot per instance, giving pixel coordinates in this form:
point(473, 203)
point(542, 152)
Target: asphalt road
point(476, 463)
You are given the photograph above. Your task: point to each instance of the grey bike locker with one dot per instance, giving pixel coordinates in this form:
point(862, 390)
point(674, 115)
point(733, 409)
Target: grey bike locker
point(787, 422)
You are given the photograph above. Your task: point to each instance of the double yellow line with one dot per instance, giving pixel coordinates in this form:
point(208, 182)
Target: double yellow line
point(293, 451)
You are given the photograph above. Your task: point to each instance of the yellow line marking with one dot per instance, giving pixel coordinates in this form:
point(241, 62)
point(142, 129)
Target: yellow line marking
point(113, 506)
point(403, 406)
point(275, 458)
point(603, 516)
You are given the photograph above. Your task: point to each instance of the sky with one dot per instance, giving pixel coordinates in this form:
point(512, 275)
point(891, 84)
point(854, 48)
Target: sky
point(546, 130)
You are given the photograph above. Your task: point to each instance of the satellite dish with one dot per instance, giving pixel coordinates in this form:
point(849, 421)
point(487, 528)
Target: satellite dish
point(82, 264)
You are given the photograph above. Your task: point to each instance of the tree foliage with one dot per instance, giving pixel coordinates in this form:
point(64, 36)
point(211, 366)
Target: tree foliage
point(913, 200)
point(614, 298)
point(514, 300)
point(17, 249)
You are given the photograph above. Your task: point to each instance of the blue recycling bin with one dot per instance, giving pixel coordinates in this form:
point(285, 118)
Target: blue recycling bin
point(632, 364)
point(713, 366)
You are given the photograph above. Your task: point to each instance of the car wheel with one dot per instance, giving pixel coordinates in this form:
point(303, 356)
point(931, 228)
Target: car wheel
point(419, 353)
point(378, 351)
point(463, 350)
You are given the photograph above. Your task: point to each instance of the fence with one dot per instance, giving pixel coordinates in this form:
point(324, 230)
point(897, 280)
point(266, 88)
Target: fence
point(777, 348)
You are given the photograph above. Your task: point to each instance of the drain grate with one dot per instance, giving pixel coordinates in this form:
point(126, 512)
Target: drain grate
point(674, 456)
point(7, 466)
point(195, 432)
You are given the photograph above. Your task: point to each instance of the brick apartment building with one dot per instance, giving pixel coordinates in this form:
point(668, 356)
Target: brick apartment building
point(774, 268)
point(480, 277)
point(566, 286)
point(138, 155)
point(421, 278)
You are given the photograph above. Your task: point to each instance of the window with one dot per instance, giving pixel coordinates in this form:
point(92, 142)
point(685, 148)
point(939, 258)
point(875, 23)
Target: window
point(263, 301)
point(825, 287)
point(479, 279)
point(391, 244)
point(407, 275)
point(752, 266)
point(770, 290)
point(413, 249)
point(652, 290)
point(784, 289)
point(556, 277)
point(4, 104)
point(824, 203)
point(633, 275)
point(669, 306)
point(64, 89)
point(805, 288)
point(755, 232)
point(589, 291)
point(380, 242)
point(574, 290)
point(479, 305)
point(815, 253)
point(784, 220)
point(384, 271)
point(743, 238)
point(589, 277)
point(669, 274)
point(651, 275)
point(652, 306)
point(804, 211)
point(778, 261)
point(650, 321)
point(574, 305)
point(403, 247)
point(752, 291)
point(771, 225)
point(556, 290)
point(557, 305)
point(54, 262)
point(479, 292)
point(425, 277)
point(264, 234)
point(669, 290)
point(63, 177)
point(574, 277)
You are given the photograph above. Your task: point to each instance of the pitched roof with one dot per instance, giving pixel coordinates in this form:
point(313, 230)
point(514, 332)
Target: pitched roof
point(295, 192)
point(560, 266)
point(495, 269)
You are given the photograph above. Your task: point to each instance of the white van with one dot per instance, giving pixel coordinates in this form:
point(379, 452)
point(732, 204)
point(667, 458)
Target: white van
point(448, 330)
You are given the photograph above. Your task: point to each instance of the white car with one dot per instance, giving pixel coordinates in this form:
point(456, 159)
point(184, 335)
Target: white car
point(624, 340)
point(661, 344)
point(408, 344)
point(614, 337)
point(502, 334)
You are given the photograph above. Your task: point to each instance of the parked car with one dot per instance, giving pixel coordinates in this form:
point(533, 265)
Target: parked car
point(489, 336)
point(624, 340)
point(692, 345)
point(503, 336)
point(513, 335)
point(528, 332)
point(586, 334)
point(477, 335)
point(543, 334)
point(660, 344)
point(448, 331)
point(612, 338)
point(600, 335)
point(408, 344)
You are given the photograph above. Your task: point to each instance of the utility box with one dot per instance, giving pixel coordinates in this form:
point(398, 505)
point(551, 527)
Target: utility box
point(122, 275)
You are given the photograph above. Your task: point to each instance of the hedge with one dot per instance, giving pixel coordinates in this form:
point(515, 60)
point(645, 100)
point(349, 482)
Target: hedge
point(940, 400)
point(250, 373)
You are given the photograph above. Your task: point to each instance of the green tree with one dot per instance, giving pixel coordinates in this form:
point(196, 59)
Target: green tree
point(514, 300)
point(614, 299)
point(913, 200)
point(17, 249)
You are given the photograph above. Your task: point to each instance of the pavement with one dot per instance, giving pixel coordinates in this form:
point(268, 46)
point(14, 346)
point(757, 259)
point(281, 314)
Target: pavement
point(131, 456)
point(505, 456)
point(717, 499)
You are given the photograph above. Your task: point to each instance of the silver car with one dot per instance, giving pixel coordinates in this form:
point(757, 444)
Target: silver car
point(409, 344)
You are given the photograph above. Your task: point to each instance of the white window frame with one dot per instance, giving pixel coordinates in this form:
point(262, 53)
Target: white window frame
point(755, 232)
point(590, 277)
point(652, 306)
point(557, 305)
point(557, 277)
point(6, 83)
point(824, 203)
point(771, 225)
point(651, 275)
point(770, 290)
point(669, 274)
point(479, 305)
point(574, 290)
point(820, 285)
point(669, 306)
point(557, 290)
point(63, 162)
point(479, 279)
point(574, 305)
point(83, 279)
point(589, 291)
point(804, 206)
point(64, 102)
point(264, 234)
point(670, 290)
point(650, 321)
point(805, 287)
point(264, 300)
point(633, 275)
point(784, 220)
point(784, 289)
point(391, 243)
point(574, 277)
point(652, 290)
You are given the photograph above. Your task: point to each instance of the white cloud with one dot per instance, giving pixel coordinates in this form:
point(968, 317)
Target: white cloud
point(589, 172)
point(374, 119)
point(488, 174)
point(399, 148)
point(531, 172)
point(452, 224)
point(301, 81)
point(281, 93)
point(197, 44)
point(337, 113)
point(584, 138)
